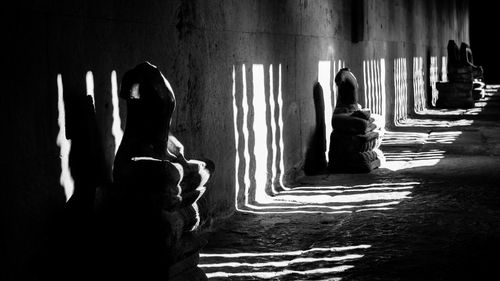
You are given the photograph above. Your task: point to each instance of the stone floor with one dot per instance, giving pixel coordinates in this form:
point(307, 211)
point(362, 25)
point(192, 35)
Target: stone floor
point(431, 212)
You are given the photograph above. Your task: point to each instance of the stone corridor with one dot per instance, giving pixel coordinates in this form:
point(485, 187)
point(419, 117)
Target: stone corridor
point(431, 212)
point(214, 151)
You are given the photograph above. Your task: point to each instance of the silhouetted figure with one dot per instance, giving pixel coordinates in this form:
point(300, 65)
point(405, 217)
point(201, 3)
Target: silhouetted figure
point(478, 86)
point(355, 138)
point(468, 60)
point(464, 85)
point(147, 215)
point(72, 241)
point(86, 157)
point(315, 162)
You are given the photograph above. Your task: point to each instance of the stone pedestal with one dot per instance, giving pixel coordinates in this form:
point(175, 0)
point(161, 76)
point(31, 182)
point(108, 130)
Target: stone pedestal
point(454, 95)
point(354, 143)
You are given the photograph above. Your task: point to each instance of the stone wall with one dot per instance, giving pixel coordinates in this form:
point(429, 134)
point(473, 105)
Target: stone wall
point(208, 50)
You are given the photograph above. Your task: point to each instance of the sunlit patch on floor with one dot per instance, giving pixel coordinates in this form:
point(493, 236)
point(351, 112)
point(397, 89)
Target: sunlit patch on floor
point(407, 159)
point(353, 188)
point(411, 122)
point(323, 262)
point(478, 107)
point(345, 199)
point(403, 138)
point(407, 155)
point(443, 137)
point(414, 138)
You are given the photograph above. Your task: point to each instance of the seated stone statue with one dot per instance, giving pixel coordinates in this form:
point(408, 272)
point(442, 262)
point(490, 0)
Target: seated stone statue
point(467, 59)
point(478, 87)
point(461, 66)
point(148, 214)
point(355, 138)
point(464, 85)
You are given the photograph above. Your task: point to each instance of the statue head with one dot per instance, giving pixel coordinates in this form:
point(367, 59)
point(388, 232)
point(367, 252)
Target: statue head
point(347, 86)
point(150, 104)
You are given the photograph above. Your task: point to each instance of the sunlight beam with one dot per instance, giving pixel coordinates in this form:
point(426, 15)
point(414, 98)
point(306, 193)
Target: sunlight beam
point(383, 94)
point(284, 263)
point(89, 81)
point(288, 253)
point(444, 70)
point(350, 198)
point(433, 79)
point(246, 152)
point(260, 132)
point(236, 142)
point(281, 136)
point(65, 179)
point(365, 84)
point(271, 274)
point(274, 146)
point(324, 79)
point(116, 129)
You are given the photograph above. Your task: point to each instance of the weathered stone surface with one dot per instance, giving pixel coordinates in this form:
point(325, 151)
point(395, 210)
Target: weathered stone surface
point(353, 139)
point(447, 228)
point(462, 73)
point(467, 59)
point(197, 44)
point(315, 160)
point(147, 215)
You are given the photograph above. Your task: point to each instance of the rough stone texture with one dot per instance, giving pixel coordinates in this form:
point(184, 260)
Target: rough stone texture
point(197, 44)
point(315, 160)
point(445, 228)
point(463, 77)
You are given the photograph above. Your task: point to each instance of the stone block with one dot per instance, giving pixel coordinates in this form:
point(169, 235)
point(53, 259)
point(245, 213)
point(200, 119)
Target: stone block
point(454, 103)
point(453, 87)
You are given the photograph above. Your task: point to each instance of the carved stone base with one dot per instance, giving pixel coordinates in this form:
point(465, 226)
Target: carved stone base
point(454, 95)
